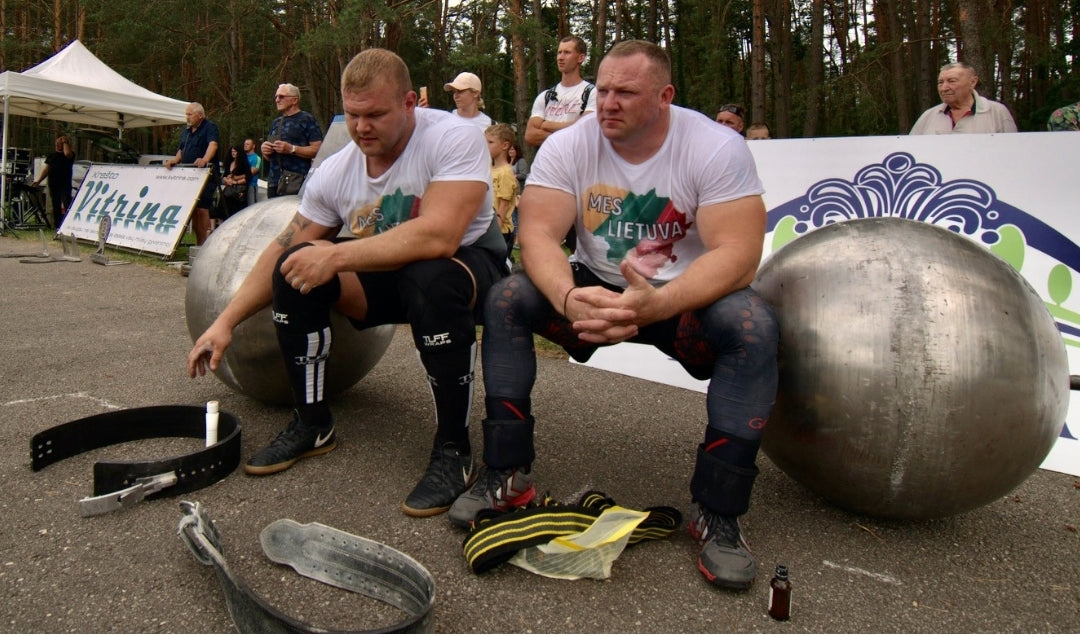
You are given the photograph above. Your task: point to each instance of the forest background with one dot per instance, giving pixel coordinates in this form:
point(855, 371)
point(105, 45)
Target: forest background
point(808, 68)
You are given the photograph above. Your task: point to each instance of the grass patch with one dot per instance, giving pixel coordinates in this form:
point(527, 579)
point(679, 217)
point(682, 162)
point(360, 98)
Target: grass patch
point(29, 237)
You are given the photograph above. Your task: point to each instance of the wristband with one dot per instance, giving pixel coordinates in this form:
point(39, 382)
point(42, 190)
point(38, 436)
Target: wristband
point(565, 299)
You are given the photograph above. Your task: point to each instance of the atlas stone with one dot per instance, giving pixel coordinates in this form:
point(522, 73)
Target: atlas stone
point(921, 376)
point(252, 364)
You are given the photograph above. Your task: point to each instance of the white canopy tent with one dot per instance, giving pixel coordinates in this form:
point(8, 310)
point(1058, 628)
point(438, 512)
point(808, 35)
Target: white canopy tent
point(75, 86)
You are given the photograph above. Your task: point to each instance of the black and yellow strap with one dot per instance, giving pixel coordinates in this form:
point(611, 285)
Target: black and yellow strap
point(495, 538)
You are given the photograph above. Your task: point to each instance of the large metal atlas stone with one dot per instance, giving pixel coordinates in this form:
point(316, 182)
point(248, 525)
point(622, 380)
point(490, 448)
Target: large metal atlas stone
point(920, 375)
point(252, 364)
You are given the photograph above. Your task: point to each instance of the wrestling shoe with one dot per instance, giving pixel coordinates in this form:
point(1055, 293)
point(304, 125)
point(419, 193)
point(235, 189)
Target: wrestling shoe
point(725, 558)
point(448, 474)
point(296, 442)
point(498, 489)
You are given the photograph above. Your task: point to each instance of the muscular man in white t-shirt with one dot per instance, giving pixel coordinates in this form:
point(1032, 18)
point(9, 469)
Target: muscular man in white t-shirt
point(671, 225)
point(414, 190)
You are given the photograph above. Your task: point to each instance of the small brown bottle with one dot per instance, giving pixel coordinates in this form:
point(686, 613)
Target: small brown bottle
point(780, 595)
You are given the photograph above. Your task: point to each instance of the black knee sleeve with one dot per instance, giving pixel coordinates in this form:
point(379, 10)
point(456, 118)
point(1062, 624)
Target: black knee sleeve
point(297, 312)
point(439, 297)
point(508, 443)
point(721, 487)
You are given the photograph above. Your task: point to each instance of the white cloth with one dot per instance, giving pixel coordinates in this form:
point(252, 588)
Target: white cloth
point(567, 105)
point(989, 117)
point(443, 147)
point(645, 211)
point(481, 119)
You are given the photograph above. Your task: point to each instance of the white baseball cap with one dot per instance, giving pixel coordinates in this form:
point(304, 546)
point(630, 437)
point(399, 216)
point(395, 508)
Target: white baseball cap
point(464, 81)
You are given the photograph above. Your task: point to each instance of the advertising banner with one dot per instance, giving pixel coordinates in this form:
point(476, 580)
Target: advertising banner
point(1017, 194)
point(147, 206)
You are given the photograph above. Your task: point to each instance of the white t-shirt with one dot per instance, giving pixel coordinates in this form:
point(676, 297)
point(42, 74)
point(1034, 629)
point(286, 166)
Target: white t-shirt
point(645, 212)
point(443, 147)
point(481, 119)
point(566, 107)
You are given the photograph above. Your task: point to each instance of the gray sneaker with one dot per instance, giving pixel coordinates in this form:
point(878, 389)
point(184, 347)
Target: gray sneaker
point(498, 489)
point(448, 474)
point(725, 558)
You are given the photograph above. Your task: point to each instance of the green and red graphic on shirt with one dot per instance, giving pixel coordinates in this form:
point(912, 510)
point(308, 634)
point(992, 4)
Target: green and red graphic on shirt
point(391, 210)
point(642, 228)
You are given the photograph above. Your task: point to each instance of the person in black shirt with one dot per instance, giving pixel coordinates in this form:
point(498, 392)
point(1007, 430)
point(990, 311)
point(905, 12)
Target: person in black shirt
point(58, 168)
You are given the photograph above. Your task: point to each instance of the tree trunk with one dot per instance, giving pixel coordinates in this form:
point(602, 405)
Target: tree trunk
point(781, 64)
point(599, 44)
point(541, 71)
point(815, 69)
point(517, 50)
point(972, 22)
point(757, 62)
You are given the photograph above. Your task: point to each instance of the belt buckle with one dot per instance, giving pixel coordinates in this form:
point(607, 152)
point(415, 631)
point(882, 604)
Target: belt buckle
point(124, 498)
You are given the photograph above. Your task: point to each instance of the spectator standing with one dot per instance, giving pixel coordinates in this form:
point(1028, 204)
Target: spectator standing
point(962, 109)
point(294, 140)
point(758, 131)
point(199, 146)
point(520, 166)
point(563, 104)
point(235, 181)
point(1066, 118)
point(58, 169)
point(521, 171)
point(256, 167)
point(504, 185)
point(466, 88)
point(733, 116)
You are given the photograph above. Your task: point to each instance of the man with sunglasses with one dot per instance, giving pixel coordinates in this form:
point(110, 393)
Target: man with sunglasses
point(293, 141)
point(732, 116)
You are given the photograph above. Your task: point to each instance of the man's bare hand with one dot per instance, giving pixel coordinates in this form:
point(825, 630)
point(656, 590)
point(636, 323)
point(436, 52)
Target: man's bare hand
point(309, 267)
point(208, 350)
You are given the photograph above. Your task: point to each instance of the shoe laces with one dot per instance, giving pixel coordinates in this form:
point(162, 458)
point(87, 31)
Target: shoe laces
point(445, 463)
point(724, 529)
point(490, 482)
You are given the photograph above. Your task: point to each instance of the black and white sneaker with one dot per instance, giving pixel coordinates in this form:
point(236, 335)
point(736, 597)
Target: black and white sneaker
point(448, 475)
point(296, 442)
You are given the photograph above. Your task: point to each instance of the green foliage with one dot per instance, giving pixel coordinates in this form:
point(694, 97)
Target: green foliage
point(230, 54)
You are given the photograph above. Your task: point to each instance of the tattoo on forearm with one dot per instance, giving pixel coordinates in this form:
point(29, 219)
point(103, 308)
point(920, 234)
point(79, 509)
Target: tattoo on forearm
point(298, 223)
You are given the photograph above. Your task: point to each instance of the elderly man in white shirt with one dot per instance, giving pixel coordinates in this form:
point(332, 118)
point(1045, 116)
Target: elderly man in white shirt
point(962, 109)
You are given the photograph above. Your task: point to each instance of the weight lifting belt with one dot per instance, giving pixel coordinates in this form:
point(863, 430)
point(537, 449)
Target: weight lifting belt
point(322, 553)
point(496, 537)
point(118, 485)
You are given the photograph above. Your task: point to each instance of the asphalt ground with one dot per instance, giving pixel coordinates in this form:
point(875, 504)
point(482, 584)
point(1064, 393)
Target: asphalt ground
point(80, 339)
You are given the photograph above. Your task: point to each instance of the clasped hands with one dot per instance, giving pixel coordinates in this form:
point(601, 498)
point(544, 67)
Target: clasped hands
point(602, 316)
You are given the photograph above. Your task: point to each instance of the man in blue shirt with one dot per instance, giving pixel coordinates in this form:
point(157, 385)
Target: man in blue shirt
point(293, 141)
point(199, 146)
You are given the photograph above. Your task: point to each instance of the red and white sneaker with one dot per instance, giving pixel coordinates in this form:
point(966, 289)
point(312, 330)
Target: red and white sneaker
point(498, 489)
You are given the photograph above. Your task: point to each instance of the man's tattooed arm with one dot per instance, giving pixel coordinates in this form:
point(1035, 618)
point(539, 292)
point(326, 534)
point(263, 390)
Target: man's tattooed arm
point(298, 223)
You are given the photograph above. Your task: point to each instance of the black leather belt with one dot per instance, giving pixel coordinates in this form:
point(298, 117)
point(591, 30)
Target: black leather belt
point(323, 553)
point(121, 484)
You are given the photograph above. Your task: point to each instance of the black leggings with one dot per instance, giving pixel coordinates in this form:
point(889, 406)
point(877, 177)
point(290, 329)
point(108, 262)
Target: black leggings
point(732, 342)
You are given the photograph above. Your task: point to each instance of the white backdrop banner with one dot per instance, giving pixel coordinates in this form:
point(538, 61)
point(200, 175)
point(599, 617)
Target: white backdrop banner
point(148, 206)
point(1016, 194)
